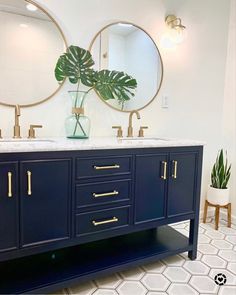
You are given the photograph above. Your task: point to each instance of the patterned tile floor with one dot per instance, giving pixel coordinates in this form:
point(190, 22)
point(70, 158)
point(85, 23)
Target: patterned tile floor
point(176, 275)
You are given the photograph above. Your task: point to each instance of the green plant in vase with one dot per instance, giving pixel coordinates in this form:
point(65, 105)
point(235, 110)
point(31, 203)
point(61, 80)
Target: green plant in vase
point(77, 65)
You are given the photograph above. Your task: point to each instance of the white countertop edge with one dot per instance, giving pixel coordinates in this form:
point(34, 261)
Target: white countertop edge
point(95, 143)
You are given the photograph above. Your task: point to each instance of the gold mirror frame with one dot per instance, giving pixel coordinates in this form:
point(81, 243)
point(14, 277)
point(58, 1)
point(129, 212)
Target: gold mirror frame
point(60, 85)
point(161, 63)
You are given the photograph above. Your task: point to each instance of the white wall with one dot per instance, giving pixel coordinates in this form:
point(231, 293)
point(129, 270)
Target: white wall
point(229, 103)
point(143, 65)
point(194, 73)
point(116, 51)
point(29, 48)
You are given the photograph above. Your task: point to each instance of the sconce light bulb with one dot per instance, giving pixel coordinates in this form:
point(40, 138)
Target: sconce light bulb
point(178, 34)
point(23, 25)
point(166, 42)
point(31, 7)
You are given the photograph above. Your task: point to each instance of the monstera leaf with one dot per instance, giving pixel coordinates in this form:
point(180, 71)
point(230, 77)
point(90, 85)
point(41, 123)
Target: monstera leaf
point(75, 64)
point(114, 85)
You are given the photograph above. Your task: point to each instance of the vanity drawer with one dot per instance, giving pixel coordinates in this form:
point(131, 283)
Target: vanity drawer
point(97, 167)
point(102, 220)
point(102, 192)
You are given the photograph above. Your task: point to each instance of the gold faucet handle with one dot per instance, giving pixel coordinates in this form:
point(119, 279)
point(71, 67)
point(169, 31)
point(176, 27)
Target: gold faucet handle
point(32, 131)
point(141, 131)
point(119, 131)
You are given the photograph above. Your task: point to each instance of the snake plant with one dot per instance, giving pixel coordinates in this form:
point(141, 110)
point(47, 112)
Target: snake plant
point(77, 65)
point(221, 171)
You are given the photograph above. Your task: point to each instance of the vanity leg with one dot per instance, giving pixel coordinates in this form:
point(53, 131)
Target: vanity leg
point(193, 234)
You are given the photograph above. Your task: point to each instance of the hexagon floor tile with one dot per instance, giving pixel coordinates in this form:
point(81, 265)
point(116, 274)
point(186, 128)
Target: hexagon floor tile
point(155, 282)
point(207, 249)
point(204, 284)
point(215, 234)
point(232, 267)
point(231, 239)
point(105, 292)
point(203, 239)
point(177, 274)
point(227, 290)
point(155, 267)
point(196, 267)
point(135, 274)
point(222, 244)
point(131, 287)
point(227, 230)
point(176, 260)
point(228, 255)
point(83, 289)
point(175, 289)
point(156, 293)
point(214, 261)
point(111, 281)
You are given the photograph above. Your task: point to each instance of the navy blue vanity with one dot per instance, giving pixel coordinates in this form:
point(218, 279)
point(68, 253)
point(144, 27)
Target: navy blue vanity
point(70, 216)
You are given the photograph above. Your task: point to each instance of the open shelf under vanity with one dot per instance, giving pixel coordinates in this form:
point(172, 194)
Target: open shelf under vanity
point(60, 268)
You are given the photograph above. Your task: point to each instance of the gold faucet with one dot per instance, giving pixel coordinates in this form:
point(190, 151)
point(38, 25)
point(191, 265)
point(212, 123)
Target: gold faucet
point(130, 128)
point(17, 124)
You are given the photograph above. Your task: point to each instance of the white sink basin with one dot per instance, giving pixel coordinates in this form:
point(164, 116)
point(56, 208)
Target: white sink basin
point(19, 140)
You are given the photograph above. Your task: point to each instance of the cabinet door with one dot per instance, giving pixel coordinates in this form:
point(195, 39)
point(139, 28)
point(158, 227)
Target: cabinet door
point(150, 187)
point(8, 206)
point(181, 190)
point(45, 201)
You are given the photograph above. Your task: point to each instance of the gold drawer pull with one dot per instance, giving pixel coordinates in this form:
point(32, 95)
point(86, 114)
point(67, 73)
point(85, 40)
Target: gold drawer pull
point(174, 175)
point(29, 190)
point(164, 163)
point(106, 167)
point(113, 219)
point(9, 194)
point(114, 193)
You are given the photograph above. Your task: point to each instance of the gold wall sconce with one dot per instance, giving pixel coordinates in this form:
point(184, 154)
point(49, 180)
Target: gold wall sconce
point(177, 31)
point(174, 34)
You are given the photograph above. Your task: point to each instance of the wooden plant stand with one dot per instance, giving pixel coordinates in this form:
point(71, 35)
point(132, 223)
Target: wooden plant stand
point(217, 213)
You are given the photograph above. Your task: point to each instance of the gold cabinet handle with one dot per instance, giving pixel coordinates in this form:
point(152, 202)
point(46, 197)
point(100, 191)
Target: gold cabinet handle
point(116, 166)
point(9, 194)
point(164, 163)
point(114, 193)
point(29, 190)
point(174, 175)
point(113, 219)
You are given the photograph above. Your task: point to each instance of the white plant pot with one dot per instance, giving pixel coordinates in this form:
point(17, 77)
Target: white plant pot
point(218, 196)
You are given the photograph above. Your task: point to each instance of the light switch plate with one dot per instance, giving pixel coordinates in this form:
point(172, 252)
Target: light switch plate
point(165, 102)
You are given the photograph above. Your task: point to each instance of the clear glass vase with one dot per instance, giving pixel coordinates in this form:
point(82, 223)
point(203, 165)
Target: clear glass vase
point(77, 125)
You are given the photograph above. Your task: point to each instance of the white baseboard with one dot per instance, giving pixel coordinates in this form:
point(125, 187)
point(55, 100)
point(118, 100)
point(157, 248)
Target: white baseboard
point(223, 215)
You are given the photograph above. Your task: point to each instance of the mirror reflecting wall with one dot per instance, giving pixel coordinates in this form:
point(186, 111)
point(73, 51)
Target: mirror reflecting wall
point(30, 44)
point(126, 47)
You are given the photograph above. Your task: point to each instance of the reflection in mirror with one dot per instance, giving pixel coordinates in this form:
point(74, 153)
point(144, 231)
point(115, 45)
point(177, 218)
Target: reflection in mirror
point(30, 43)
point(126, 47)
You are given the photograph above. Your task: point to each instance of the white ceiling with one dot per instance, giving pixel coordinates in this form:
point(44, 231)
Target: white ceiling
point(19, 7)
point(122, 30)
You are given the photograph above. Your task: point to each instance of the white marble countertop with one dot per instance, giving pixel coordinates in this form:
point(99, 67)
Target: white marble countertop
point(96, 143)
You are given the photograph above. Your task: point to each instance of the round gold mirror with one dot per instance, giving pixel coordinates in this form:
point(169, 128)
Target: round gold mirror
point(30, 43)
point(126, 47)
